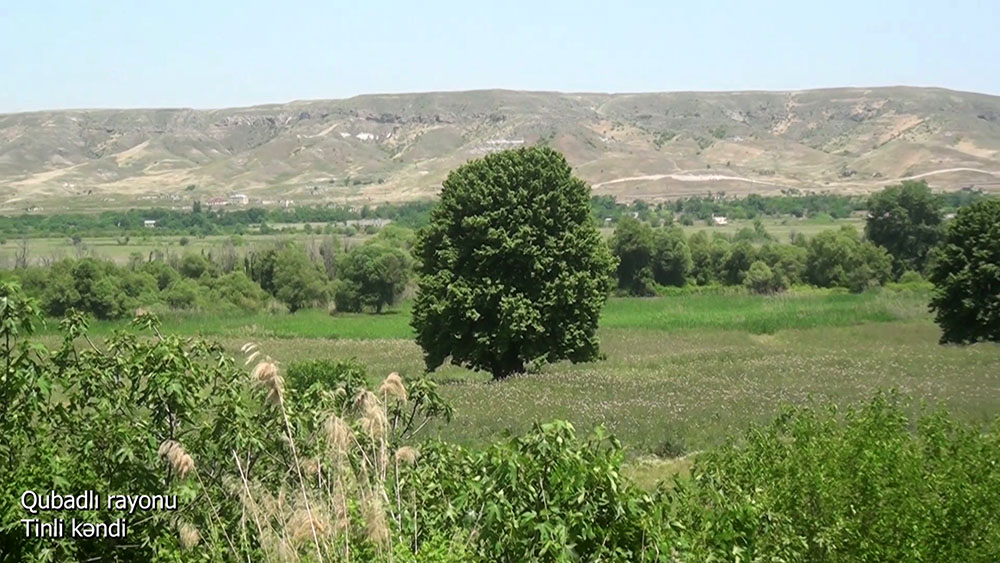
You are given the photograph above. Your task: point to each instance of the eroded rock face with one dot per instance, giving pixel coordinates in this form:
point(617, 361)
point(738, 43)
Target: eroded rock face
point(405, 144)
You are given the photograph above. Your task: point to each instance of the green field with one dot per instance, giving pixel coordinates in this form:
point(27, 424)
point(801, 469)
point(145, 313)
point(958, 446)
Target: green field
point(49, 249)
point(682, 373)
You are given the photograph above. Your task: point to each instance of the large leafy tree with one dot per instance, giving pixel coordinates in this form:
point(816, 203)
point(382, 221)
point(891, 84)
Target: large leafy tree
point(966, 275)
point(512, 269)
point(905, 220)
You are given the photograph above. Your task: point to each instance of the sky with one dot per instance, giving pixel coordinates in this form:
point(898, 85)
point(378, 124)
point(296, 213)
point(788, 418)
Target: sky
point(226, 53)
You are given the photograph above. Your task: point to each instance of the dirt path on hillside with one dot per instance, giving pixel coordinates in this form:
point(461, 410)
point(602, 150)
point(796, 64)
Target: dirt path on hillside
point(722, 177)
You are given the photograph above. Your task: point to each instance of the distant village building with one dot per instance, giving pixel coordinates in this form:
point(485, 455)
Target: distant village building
point(239, 199)
point(217, 202)
point(719, 221)
point(286, 203)
point(149, 223)
point(948, 216)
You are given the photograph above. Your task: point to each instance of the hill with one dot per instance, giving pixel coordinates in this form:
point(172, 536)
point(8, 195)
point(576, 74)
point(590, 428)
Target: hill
point(378, 148)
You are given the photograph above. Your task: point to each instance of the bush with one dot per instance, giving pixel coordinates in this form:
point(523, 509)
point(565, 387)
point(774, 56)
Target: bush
point(87, 285)
point(839, 258)
point(163, 273)
point(817, 486)
point(320, 376)
point(966, 275)
point(193, 266)
point(545, 496)
point(236, 290)
point(760, 279)
point(182, 294)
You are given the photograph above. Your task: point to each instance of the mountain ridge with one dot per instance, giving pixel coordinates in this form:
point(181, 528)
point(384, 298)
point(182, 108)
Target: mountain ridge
point(395, 147)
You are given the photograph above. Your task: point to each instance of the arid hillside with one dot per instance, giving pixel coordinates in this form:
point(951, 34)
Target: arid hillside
point(399, 147)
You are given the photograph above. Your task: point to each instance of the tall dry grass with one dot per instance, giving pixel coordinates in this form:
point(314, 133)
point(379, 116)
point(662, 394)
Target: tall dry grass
point(345, 501)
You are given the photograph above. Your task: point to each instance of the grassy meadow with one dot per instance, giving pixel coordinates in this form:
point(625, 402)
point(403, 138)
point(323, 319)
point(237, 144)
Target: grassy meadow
point(682, 372)
point(50, 249)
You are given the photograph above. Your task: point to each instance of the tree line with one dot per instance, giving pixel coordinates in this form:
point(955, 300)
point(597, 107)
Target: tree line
point(285, 274)
point(904, 224)
point(200, 221)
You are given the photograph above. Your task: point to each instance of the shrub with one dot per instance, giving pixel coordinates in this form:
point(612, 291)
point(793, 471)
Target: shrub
point(760, 279)
point(319, 376)
point(545, 496)
point(182, 294)
point(839, 258)
point(193, 266)
point(817, 486)
point(88, 285)
point(163, 273)
point(235, 289)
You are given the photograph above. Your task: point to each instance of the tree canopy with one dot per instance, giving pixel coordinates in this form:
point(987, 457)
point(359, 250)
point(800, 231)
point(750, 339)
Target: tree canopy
point(512, 269)
point(906, 221)
point(372, 276)
point(965, 271)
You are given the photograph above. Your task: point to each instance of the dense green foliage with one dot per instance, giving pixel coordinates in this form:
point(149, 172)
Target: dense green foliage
point(632, 245)
point(965, 271)
point(650, 257)
point(841, 258)
point(203, 222)
point(107, 291)
point(512, 269)
point(672, 263)
point(267, 468)
point(373, 276)
point(906, 221)
point(819, 486)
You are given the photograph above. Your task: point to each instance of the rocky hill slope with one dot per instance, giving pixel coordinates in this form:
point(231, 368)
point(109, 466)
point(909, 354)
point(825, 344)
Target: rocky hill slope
point(397, 147)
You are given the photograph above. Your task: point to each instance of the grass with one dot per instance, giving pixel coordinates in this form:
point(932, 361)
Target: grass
point(109, 248)
point(729, 312)
point(682, 373)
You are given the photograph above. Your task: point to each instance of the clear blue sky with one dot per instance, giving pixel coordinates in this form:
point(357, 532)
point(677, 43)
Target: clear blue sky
point(219, 53)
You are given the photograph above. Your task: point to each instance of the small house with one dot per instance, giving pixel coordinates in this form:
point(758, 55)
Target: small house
point(149, 223)
point(719, 221)
point(239, 199)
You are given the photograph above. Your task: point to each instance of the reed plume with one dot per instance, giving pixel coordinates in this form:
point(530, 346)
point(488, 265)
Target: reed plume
point(179, 460)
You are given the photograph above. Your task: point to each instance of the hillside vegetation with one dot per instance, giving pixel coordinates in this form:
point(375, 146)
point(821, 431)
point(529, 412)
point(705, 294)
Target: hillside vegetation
point(399, 147)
